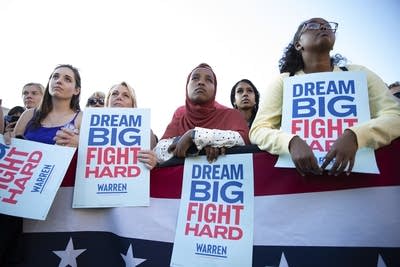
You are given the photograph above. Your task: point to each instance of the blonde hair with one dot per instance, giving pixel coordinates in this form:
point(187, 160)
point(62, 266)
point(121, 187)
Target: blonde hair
point(37, 85)
point(130, 90)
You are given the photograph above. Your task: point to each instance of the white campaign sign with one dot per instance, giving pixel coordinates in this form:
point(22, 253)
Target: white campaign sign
point(215, 222)
point(318, 107)
point(30, 175)
point(108, 171)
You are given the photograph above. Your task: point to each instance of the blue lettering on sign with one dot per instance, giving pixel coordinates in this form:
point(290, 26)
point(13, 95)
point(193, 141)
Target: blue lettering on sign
point(348, 109)
point(112, 188)
point(106, 136)
point(3, 150)
point(320, 88)
point(205, 191)
point(308, 107)
point(218, 172)
point(43, 177)
point(115, 120)
point(211, 250)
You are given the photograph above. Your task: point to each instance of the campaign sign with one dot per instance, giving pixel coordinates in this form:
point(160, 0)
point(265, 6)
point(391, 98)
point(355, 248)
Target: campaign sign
point(108, 171)
point(30, 175)
point(318, 107)
point(215, 221)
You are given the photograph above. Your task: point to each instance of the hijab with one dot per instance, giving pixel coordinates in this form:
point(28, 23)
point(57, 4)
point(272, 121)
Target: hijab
point(211, 115)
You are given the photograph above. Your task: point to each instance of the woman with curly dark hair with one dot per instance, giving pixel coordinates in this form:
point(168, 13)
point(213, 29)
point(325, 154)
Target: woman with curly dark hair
point(309, 52)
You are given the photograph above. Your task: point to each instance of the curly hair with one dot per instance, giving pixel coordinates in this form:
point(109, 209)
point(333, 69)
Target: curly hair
point(292, 61)
point(395, 84)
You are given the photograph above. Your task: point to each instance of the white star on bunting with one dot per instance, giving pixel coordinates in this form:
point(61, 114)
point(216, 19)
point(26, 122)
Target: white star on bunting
point(130, 260)
point(69, 255)
point(283, 262)
point(381, 262)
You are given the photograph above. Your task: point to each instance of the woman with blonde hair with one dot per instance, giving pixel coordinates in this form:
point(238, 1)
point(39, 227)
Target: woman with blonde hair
point(122, 95)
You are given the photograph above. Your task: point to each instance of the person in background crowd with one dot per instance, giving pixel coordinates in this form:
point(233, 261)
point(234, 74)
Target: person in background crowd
point(32, 94)
point(395, 89)
point(96, 100)
point(10, 120)
point(309, 52)
point(49, 123)
point(202, 122)
point(245, 98)
point(58, 118)
point(122, 95)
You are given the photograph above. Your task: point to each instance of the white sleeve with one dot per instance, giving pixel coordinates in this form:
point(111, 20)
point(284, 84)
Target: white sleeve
point(216, 138)
point(161, 149)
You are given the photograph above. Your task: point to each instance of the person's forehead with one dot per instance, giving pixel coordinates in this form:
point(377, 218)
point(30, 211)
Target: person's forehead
point(395, 89)
point(64, 71)
point(120, 88)
point(203, 71)
point(318, 20)
point(243, 85)
point(98, 95)
point(31, 88)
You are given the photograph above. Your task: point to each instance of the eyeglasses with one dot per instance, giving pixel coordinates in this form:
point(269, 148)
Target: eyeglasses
point(94, 101)
point(397, 94)
point(317, 26)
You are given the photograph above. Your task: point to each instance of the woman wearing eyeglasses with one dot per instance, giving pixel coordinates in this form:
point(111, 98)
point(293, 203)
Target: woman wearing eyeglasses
point(96, 100)
point(309, 52)
point(394, 89)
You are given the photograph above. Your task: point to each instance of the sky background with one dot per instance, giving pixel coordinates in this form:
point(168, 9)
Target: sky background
point(154, 44)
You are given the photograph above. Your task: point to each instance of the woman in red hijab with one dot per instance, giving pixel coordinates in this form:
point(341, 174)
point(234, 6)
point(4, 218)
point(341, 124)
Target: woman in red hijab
point(202, 122)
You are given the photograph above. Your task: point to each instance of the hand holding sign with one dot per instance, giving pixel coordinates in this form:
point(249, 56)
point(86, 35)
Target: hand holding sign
point(344, 152)
point(180, 147)
point(303, 157)
point(212, 153)
point(67, 136)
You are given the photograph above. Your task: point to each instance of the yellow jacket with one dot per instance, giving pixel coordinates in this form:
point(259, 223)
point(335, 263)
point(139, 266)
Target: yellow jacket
point(383, 127)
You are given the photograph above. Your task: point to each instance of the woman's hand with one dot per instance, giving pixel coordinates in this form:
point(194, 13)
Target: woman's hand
point(343, 152)
point(8, 134)
point(182, 145)
point(303, 157)
point(148, 158)
point(10, 126)
point(67, 137)
point(213, 153)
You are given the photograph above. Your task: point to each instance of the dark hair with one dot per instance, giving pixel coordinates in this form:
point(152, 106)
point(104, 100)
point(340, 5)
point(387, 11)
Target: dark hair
point(257, 96)
point(12, 114)
point(15, 110)
point(47, 105)
point(395, 84)
point(292, 61)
